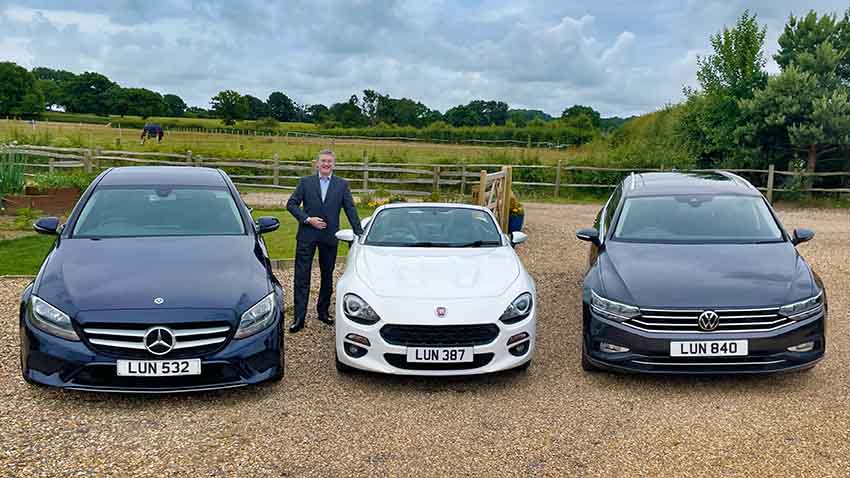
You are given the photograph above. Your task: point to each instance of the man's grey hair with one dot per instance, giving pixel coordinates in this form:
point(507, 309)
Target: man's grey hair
point(325, 152)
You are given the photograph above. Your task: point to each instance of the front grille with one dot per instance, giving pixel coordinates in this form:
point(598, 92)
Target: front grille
point(439, 335)
point(127, 339)
point(730, 320)
point(400, 361)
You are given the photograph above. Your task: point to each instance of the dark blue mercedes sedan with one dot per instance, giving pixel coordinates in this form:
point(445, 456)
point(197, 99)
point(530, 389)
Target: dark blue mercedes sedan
point(694, 273)
point(159, 282)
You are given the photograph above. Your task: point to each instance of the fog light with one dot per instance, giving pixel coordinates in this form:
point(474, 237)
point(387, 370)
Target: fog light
point(520, 350)
point(518, 337)
point(354, 351)
point(612, 349)
point(804, 347)
point(359, 339)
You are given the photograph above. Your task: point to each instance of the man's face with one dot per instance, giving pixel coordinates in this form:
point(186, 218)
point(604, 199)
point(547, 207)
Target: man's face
point(326, 164)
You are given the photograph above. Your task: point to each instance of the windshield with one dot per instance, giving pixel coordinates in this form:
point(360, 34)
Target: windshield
point(159, 211)
point(433, 227)
point(697, 219)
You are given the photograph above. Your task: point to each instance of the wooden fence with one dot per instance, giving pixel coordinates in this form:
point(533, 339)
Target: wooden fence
point(414, 179)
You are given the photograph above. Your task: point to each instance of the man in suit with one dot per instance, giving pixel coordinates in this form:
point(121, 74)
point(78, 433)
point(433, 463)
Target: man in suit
point(316, 204)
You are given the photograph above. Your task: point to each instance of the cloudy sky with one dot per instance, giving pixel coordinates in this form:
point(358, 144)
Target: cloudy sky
point(621, 57)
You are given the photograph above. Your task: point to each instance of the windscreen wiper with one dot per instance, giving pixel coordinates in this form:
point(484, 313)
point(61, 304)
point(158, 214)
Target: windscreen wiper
point(478, 243)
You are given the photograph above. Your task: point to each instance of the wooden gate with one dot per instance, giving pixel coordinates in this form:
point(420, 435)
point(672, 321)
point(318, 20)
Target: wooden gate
point(494, 193)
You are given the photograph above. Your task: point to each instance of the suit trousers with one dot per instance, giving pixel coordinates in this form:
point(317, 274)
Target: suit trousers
point(304, 252)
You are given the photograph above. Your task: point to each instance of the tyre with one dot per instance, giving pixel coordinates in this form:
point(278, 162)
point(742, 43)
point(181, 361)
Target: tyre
point(341, 367)
point(523, 367)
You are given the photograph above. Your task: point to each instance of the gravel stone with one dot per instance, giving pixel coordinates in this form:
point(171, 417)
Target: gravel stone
point(553, 420)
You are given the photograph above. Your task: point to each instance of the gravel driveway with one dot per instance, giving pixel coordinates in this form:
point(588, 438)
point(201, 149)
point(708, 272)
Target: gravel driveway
point(553, 420)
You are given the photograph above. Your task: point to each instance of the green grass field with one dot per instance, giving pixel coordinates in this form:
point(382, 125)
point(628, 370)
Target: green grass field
point(23, 256)
point(264, 147)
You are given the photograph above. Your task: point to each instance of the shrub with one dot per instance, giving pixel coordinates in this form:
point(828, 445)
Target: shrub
point(11, 178)
point(79, 180)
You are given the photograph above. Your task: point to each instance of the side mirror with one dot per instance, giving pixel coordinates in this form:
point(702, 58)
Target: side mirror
point(802, 235)
point(518, 237)
point(589, 235)
point(346, 235)
point(47, 225)
point(365, 221)
point(267, 224)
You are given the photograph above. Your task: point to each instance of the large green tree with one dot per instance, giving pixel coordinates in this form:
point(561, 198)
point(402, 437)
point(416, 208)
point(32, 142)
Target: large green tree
point(19, 92)
point(134, 101)
point(50, 81)
point(230, 106)
point(802, 37)
point(573, 115)
point(173, 105)
point(478, 113)
point(804, 111)
point(257, 108)
point(733, 72)
point(87, 93)
point(281, 107)
point(348, 114)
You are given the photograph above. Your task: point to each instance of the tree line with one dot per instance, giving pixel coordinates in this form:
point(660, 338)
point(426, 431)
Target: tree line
point(28, 93)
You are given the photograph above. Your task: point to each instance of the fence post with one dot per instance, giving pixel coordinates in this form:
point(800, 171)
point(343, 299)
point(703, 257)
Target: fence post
point(276, 170)
point(463, 179)
point(96, 160)
point(558, 179)
point(189, 157)
point(199, 160)
point(482, 188)
point(87, 161)
point(770, 183)
point(506, 197)
point(365, 172)
point(50, 168)
point(436, 179)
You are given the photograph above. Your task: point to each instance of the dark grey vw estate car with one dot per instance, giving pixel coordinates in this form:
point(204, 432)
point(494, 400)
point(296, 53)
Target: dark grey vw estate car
point(693, 273)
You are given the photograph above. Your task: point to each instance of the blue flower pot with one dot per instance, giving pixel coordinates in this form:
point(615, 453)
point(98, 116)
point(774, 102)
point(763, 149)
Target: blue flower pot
point(515, 223)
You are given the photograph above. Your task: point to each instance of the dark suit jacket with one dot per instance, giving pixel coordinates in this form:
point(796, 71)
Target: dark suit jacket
point(306, 202)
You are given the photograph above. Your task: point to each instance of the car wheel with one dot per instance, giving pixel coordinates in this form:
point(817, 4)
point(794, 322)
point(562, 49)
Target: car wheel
point(24, 375)
point(523, 367)
point(341, 367)
point(586, 364)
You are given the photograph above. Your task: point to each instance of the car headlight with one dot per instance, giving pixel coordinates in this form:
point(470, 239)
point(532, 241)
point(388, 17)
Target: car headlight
point(802, 307)
point(257, 318)
point(358, 310)
point(612, 310)
point(518, 310)
point(51, 320)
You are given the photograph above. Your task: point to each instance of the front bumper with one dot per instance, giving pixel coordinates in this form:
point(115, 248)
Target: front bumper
point(383, 357)
point(649, 352)
point(56, 362)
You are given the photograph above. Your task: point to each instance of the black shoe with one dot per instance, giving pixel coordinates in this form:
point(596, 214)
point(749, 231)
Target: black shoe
point(296, 326)
point(326, 319)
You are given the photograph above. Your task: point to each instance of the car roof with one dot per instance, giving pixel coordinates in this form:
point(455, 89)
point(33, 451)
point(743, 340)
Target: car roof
point(455, 205)
point(673, 182)
point(172, 175)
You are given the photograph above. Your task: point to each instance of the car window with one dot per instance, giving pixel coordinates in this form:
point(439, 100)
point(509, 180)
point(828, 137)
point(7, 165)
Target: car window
point(611, 207)
point(697, 219)
point(433, 227)
point(159, 211)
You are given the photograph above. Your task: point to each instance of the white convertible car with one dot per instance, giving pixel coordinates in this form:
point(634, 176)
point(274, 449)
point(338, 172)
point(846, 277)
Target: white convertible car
point(434, 289)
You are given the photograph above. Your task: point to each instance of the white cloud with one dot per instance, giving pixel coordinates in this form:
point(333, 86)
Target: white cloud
point(619, 58)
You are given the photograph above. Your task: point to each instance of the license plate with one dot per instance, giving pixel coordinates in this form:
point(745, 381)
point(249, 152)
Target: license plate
point(710, 348)
point(159, 368)
point(440, 354)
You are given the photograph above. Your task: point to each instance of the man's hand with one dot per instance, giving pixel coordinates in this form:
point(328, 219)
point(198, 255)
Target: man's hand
point(317, 222)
